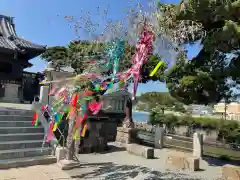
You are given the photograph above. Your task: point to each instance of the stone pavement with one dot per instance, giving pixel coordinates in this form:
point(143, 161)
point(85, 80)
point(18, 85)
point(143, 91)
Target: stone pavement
point(120, 165)
point(114, 165)
point(39, 172)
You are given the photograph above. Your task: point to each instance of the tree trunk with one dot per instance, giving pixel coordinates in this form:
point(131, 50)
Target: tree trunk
point(163, 110)
point(225, 110)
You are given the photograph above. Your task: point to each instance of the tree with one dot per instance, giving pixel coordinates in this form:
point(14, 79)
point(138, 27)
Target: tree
point(205, 78)
point(79, 53)
point(160, 100)
point(179, 108)
point(58, 55)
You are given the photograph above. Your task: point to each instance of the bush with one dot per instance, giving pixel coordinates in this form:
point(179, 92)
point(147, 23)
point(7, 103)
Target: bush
point(224, 158)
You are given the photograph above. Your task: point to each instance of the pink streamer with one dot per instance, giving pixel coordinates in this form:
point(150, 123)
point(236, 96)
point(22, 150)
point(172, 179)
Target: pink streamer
point(144, 48)
point(95, 107)
point(50, 132)
point(53, 90)
point(80, 120)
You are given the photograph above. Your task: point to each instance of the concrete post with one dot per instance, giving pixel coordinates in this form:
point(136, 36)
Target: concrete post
point(158, 138)
point(197, 145)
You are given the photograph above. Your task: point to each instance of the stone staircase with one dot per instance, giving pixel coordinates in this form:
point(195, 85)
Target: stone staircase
point(20, 142)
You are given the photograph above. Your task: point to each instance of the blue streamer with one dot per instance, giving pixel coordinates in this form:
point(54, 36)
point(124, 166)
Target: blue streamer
point(84, 108)
point(114, 53)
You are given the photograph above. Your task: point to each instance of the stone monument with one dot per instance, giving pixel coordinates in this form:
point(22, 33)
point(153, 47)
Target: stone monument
point(128, 121)
point(126, 133)
point(52, 74)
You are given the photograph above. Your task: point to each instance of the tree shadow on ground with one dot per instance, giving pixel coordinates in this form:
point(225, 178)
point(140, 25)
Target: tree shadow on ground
point(111, 171)
point(112, 148)
point(107, 150)
point(217, 162)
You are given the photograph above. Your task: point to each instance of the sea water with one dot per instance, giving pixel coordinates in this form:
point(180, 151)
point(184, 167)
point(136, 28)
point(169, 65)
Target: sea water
point(140, 116)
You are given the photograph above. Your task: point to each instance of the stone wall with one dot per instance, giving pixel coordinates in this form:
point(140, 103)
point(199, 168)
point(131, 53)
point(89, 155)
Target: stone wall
point(100, 132)
point(126, 135)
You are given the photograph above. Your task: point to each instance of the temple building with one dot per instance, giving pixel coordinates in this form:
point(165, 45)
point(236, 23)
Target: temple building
point(15, 53)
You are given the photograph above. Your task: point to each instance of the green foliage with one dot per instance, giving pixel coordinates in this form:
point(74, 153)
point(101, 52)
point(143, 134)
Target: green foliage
point(80, 51)
point(148, 68)
point(58, 55)
point(153, 119)
point(179, 108)
point(203, 79)
point(160, 101)
point(229, 131)
point(157, 98)
point(224, 158)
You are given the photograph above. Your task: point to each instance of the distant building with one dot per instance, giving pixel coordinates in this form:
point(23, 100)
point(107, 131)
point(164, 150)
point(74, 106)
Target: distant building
point(232, 110)
point(198, 109)
point(219, 107)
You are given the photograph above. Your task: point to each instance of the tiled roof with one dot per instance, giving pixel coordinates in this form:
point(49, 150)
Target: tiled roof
point(9, 39)
point(27, 44)
point(6, 43)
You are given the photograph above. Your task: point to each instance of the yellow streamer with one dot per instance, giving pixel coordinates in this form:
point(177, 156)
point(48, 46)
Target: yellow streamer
point(84, 130)
point(160, 63)
point(58, 102)
point(55, 127)
point(76, 134)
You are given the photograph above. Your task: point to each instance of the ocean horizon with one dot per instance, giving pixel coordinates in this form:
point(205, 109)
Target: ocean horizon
point(140, 116)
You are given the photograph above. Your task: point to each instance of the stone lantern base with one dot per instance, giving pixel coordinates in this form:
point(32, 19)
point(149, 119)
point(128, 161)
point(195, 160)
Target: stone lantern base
point(11, 93)
point(68, 164)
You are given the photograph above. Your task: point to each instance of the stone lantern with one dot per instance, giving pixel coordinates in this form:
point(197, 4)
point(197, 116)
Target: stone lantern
point(45, 89)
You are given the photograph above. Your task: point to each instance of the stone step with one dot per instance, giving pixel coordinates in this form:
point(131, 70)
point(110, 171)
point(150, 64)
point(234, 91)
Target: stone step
point(21, 137)
point(21, 153)
point(12, 130)
point(7, 145)
point(15, 118)
point(17, 112)
point(27, 161)
point(16, 124)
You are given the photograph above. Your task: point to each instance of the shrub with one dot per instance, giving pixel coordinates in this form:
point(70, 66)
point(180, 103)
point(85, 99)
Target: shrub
point(186, 120)
point(225, 158)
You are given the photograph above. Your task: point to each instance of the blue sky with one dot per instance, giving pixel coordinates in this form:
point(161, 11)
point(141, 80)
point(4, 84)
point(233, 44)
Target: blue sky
point(42, 22)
